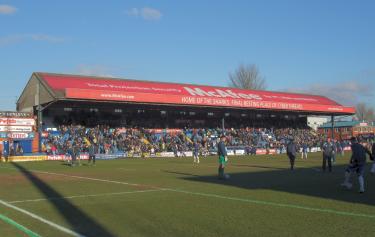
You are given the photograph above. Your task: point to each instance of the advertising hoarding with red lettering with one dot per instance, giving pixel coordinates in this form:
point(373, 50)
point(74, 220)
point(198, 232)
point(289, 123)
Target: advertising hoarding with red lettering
point(17, 121)
point(105, 89)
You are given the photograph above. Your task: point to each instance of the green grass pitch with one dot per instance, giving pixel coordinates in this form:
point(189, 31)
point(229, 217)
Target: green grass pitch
point(174, 197)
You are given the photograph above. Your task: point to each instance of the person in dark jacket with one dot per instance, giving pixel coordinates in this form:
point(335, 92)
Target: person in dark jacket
point(92, 151)
point(328, 151)
point(6, 150)
point(222, 152)
point(357, 164)
point(196, 152)
point(304, 150)
point(373, 156)
point(291, 151)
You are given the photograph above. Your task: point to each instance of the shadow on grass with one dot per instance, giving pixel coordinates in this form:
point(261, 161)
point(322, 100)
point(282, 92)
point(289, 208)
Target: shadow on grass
point(79, 221)
point(258, 166)
point(302, 181)
point(180, 173)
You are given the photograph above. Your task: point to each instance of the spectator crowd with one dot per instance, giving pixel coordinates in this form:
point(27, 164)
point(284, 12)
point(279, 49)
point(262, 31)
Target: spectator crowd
point(137, 141)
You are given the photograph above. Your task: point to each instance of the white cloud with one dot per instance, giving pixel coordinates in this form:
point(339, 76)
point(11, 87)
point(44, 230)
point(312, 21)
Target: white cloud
point(132, 12)
point(93, 70)
point(151, 14)
point(13, 39)
point(146, 13)
point(10, 39)
point(47, 38)
point(7, 10)
point(347, 93)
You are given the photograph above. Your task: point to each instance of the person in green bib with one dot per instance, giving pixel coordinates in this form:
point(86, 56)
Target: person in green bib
point(223, 159)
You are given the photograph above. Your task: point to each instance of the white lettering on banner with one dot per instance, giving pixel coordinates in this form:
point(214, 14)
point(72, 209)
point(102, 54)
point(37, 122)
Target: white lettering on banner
point(221, 93)
point(240, 152)
point(129, 87)
point(64, 157)
point(239, 103)
point(20, 121)
point(18, 135)
point(15, 114)
point(188, 100)
point(19, 129)
point(17, 121)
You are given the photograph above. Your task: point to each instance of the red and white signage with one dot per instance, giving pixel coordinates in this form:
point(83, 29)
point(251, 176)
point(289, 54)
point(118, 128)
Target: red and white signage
point(264, 151)
point(63, 157)
point(171, 93)
point(17, 121)
point(16, 129)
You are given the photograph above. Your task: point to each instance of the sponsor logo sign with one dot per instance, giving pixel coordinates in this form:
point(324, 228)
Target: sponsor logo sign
point(109, 157)
point(15, 114)
point(66, 157)
point(20, 135)
point(166, 154)
point(16, 129)
point(240, 152)
point(172, 93)
point(17, 121)
point(17, 126)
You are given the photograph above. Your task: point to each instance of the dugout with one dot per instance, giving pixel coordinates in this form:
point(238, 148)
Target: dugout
point(87, 100)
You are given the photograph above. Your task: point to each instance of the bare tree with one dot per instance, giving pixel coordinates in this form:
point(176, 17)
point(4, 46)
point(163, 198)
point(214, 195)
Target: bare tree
point(364, 112)
point(247, 77)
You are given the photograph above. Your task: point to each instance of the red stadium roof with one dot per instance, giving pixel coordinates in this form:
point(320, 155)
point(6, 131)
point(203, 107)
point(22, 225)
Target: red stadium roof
point(110, 89)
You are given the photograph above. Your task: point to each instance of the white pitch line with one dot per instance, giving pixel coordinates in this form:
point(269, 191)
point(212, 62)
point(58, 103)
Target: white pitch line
point(41, 219)
point(276, 204)
point(258, 202)
point(83, 196)
point(126, 169)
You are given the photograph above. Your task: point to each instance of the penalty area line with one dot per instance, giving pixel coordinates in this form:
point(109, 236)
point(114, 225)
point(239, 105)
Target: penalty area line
point(84, 196)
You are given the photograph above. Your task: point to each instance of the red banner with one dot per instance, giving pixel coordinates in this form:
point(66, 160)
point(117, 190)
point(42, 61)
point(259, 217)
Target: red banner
point(204, 101)
point(17, 121)
point(172, 93)
point(264, 152)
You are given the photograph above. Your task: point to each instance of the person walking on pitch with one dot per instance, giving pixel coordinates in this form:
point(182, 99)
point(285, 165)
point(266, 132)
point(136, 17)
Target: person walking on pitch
point(328, 152)
point(223, 159)
point(92, 152)
point(357, 164)
point(196, 152)
point(291, 151)
point(304, 151)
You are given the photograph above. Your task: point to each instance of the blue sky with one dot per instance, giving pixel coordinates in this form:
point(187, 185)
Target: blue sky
point(319, 47)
